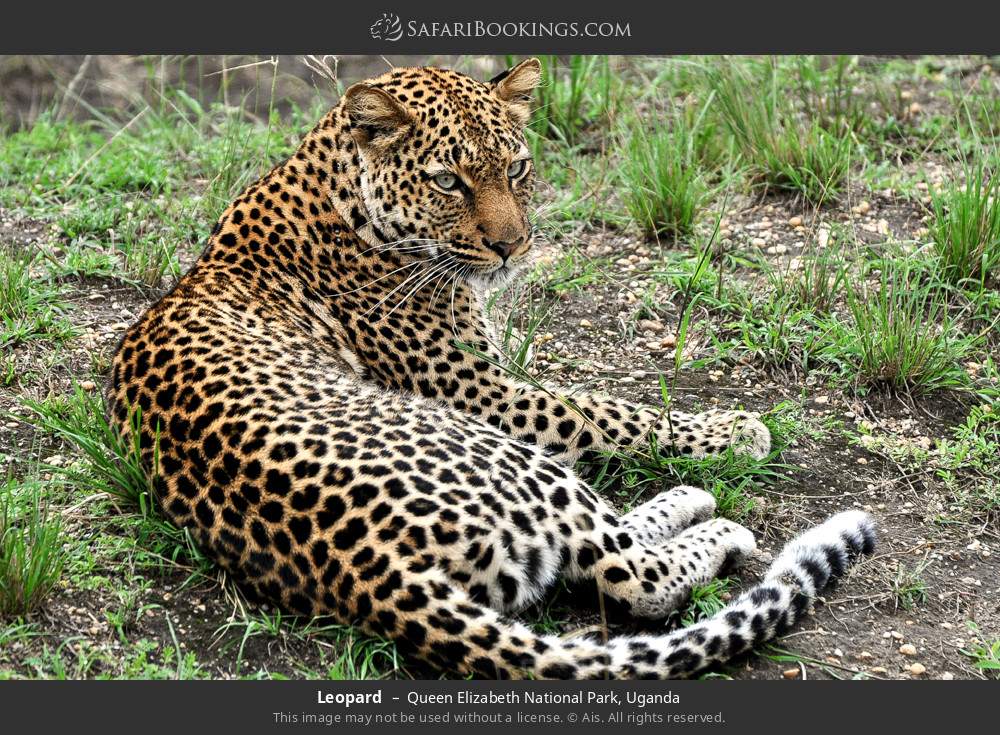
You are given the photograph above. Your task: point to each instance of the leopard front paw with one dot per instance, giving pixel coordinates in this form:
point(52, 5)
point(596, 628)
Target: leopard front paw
point(713, 432)
point(747, 434)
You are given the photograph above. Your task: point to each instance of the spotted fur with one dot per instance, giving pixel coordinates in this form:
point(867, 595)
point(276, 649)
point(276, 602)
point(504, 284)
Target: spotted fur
point(334, 426)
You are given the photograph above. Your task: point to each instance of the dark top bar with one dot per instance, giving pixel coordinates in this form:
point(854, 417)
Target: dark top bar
point(517, 27)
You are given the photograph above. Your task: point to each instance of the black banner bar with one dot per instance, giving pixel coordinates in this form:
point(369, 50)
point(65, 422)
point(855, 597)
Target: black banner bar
point(442, 707)
point(517, 27)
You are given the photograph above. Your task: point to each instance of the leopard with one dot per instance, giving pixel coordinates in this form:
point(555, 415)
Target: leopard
point(323, 404)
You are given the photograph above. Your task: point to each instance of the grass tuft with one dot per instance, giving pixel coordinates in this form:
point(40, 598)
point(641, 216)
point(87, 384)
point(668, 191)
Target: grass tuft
point(575, 94)
point(31, 307)
point(31, 548)
point(781, 148)
point(909, 588)
point(817, 284)
point(901, 336)
point(665, 187)
point(965, 228)
point(635, 476)
point(111, 464)
point(706, 600)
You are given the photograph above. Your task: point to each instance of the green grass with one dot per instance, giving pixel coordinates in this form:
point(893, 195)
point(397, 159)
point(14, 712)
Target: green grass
point(789, 323)
point(783, 319)
point(576, 93)
point(977, 113)
point(891, 327)
point(111, 463)
point(125, 190)
point(577, 187)
point(114, 465)
point(519, 322)
point(965, 227)
point(976, 443)
point(31, 306)
point(665, 187)
point(984, 653)
point(827, 89)
point(32, 554)
point(635, 477)
point(355, 656)
point(76, 658)
point(138, 237)
point(966, 462)
point(574, 106)
point(909, 588)
point(817, 285)
point(901, 337)
point(780, 148)
point(706, 600)
point(573, 271)
point(18, 631)
point(775, 328)
point(132, 238)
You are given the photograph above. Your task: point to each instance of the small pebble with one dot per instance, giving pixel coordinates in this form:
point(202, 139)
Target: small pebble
point(795, 221)
point(88, 385)
point(908, 649)
point(917, 669)
point(791, 673)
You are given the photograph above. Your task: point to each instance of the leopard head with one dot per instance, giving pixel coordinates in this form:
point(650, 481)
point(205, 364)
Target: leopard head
point(440, 168)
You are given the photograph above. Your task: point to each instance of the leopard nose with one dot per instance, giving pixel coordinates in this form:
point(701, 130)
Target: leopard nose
point(503, 248)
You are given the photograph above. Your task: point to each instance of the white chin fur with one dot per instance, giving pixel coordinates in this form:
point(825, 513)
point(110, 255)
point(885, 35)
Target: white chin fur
point(494, 279)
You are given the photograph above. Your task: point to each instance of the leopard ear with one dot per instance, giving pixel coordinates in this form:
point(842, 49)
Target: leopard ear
point(515, 86)
point(377, 118)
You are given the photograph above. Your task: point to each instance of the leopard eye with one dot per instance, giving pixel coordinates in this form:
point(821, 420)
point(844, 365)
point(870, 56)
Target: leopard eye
point(446, 181)
point(517, 168)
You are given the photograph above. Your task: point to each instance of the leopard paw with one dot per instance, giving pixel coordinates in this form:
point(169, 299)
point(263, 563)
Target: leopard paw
point(739, 430)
